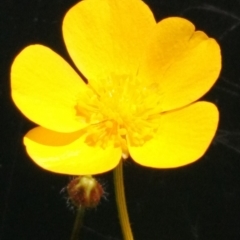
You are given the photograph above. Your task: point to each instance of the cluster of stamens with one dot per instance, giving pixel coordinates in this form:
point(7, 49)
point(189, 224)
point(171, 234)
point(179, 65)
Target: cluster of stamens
point(119, 110)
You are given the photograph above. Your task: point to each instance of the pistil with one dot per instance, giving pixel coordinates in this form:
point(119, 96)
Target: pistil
point(118, 111)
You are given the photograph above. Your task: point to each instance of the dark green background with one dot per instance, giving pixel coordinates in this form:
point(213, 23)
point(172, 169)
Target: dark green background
point(196, 202)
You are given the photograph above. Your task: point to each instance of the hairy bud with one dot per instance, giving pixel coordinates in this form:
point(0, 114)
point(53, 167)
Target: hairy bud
point(85, 191)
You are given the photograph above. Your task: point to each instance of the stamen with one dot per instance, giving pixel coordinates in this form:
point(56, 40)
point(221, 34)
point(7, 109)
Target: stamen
point(119, 108)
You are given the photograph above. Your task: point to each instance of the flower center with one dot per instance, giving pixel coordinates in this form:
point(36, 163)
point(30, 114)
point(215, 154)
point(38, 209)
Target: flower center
point(120, 109)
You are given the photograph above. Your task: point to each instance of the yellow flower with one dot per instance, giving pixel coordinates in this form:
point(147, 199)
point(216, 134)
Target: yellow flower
point(140, 100)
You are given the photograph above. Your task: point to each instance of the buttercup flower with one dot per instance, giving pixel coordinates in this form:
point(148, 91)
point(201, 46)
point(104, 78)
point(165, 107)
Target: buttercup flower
point(140, 100)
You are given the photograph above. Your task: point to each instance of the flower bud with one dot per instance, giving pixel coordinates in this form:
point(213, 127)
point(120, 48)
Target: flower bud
point(85, 191)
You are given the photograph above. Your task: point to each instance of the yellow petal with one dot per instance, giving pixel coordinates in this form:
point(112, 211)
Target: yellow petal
point(107, 36)
point(45, 89)
point(67, 153)
point(185, 63)
point(183, 137)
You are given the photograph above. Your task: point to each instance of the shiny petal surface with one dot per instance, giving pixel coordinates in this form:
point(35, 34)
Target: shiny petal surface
point(183, 137)
point(67, 153)
point(183, 62)
point(107, 36)
point(45, 89)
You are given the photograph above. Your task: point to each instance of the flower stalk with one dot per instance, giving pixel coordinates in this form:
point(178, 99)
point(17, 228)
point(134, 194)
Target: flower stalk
point(78, 223)
point(121, 202)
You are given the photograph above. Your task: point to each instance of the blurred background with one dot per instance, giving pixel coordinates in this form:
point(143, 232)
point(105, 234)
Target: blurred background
point(200, 201)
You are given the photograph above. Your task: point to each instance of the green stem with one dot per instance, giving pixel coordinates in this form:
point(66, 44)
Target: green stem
point(121, 202)
point(78, 223)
